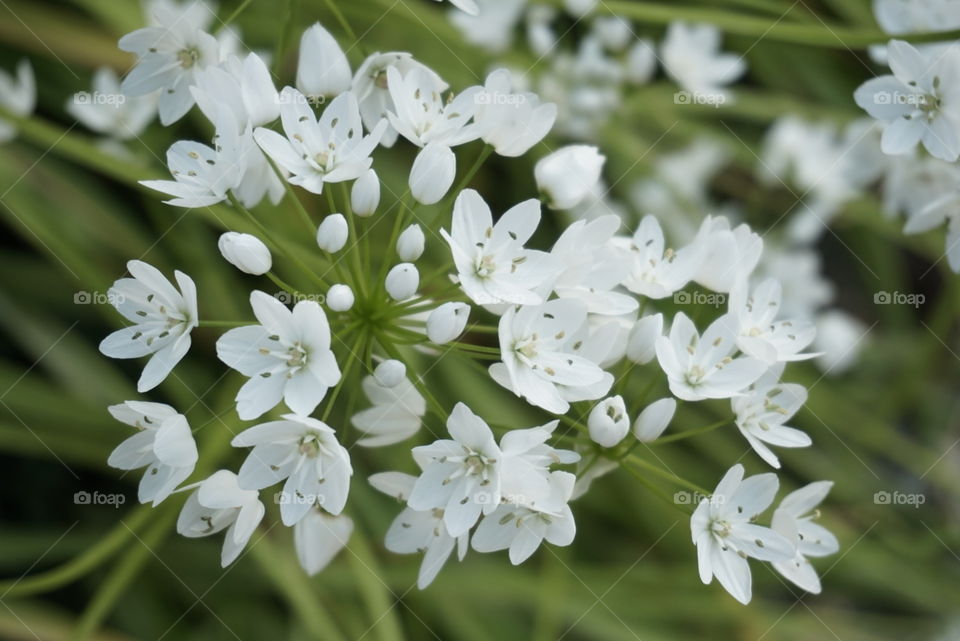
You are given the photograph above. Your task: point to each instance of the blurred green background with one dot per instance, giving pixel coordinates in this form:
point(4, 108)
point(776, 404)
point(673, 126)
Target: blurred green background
point(72, 216)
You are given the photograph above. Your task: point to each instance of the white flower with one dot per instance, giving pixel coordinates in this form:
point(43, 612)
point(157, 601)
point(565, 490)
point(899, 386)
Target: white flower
point(608, 422)
point(460, 476)
point(163, 444)
point(511, 122)
point(332, 233)
point(395, 416)
point(162, 320)
point(432, 173)
point(525, 469)
point(447, 322)
point(203, 175)
point(590, 268)
point(218, 504)
point(691, 57)
point(840, 338)
point(340, 297)
point(654, 419)
point(920, 101)
point(244, 87)
point(641, 62)
point(411, 243)
point(390, 373)
point(760, 335)
point(493, 27)
point(402, 281)
point(763, 410)
point(614, 32)
point(371, 87)
point(658, 271)
point(492, 264)
point(318, 537)
point(107, 111)
point(322, 69)
point(728, 255)
point(330, 150)
point(168, 56)
point(567, 175)
point(421, 115)
point(642, 342)
point(538, 345)
point(794, 519)
point(522, 529)
point(306, 453)
point(725, 535)
point(365, 194)
point(699, 367)
point(245, 252)
point(415, 531)
point(287, 356)
point(17, 95)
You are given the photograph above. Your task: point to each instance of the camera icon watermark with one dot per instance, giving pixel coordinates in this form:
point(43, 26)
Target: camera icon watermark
point(713, 99)
point(899, 98)
point(98, 298)
point(712, 299)
point(899, 498)
point(696, 498)
point(289, 298)
point(499, 98)
point(298, 498)
point(98, 498)
point(899, 298)
point(98, 98)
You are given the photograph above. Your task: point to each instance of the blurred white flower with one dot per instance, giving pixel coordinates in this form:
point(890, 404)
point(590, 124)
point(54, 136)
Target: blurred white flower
point(567, 175)
point(692, 58)
point(217, 504)
point(763, 410)
point(105, 109)
point(163, 444)
point(162, 320)
point(511, 122)
point(794, 519)
point(318, 537)
point(395, 415)
point(920, 101)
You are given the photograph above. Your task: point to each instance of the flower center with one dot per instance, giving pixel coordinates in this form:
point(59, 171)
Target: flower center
point(486, 267)
point(188, 57)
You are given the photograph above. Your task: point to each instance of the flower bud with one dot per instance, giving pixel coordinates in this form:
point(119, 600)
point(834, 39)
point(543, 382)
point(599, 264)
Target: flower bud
point(332, 233)
point(410, 244)
point(365, 194)
point(654, 419)
point(340, 298)
point(322, 69)
point(567, 175)
point(608, 422)
point(642, 343)
point(447, 322)
point(390, 373)
point(245, 252)
point(403, 281)
point(432, 174)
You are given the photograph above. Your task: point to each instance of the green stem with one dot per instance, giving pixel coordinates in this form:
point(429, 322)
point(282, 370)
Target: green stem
point(679, 436)
point(215, 323)
point(233, 16)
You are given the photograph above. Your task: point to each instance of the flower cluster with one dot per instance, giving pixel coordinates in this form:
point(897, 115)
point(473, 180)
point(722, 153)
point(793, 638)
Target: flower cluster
point(562, 327)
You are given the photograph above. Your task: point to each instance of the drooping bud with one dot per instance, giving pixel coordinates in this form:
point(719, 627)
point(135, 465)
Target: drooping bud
point(365, 194)
point(390, 373)
point(654, 419)
point(608, 422)
point(322, 69)
point(432, 174)
point(332, 233)
point(410, 244)
point(245, 252)
point(403, 281)
point(447, 322)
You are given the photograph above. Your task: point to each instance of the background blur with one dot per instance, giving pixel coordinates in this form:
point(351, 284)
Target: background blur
point(886, 431)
